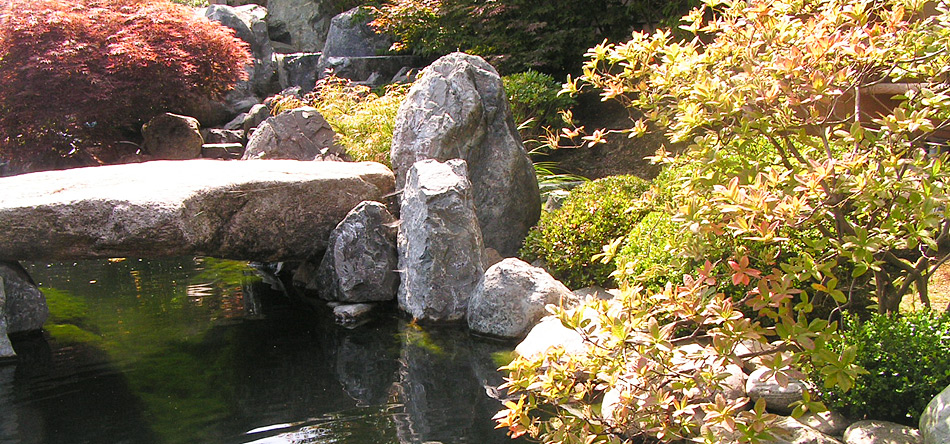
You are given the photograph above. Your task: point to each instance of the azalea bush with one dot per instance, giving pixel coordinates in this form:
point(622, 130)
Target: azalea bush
point(362, 118)
point(802, 120)
point(79, 75)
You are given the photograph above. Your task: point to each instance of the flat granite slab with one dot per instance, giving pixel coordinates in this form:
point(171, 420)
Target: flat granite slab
point(261, 210)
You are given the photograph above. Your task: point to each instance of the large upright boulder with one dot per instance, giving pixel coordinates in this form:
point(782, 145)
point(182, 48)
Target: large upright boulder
point(248, 24)
point(458, 109)
point(301, 23)
point(299, 134)
point(360, 262)
point(26, 308)
point(511, 299)
point(350, 35)
point(439, 242)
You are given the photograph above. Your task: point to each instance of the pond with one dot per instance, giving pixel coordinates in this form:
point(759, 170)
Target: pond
point(198, 350)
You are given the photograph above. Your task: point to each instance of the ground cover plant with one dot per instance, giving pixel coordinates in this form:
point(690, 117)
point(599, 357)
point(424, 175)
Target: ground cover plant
point(363, 119)
point(906, 361)
point(800, 117)
point(81, 75)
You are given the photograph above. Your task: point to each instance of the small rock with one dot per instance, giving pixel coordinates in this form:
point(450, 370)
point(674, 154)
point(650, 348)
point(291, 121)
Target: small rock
point(254, 118)
point(550, 333)
point(881, 432)
point(230, 151)
point(172, 137)
point(827, 422)
point(777, 398)
point(935, 419)
point(786, 430)
point(349, 314)
point(511, 299)
point(219, 135)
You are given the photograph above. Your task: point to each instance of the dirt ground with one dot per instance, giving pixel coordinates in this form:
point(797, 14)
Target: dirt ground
point(939, 292)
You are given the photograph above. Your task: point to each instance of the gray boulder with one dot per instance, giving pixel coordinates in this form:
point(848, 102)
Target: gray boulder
point(360, 262)
point(439, 243)
point(6, 348)
point(300, 134)
point(935, 419)
point(172, 137)
point(369, 70)
point(299, 69)
point(249, 25)
point(26, 308)
point(219, 135)
point(352, 314)
point(458, 109)
point(301, 23)
point(881, 432)
point(254, 118)
point(257, 210)
point(827, 422)
point(778, 398)
point(350, 35)
point(511, 299)
point(786, 430)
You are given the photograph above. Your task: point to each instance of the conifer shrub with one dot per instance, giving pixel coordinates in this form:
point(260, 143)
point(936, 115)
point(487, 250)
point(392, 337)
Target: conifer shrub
point(906, 361)
point(80, 75)
point(592, 216)
point(535, 102)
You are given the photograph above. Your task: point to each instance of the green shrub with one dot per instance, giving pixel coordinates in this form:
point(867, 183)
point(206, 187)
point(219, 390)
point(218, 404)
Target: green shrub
point(362, 119)
point(534, 96)
point(647, 253)
point(594, 215)
point(907, 361)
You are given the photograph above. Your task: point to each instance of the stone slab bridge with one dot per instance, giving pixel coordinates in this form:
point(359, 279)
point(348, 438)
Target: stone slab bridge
point(255, 210)
point(258, 210)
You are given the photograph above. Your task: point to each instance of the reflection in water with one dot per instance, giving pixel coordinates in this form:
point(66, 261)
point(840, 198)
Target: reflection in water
point(201, 350)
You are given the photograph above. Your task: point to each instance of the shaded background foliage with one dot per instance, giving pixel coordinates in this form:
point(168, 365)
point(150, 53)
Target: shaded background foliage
point(75, 76)
point(517, 35)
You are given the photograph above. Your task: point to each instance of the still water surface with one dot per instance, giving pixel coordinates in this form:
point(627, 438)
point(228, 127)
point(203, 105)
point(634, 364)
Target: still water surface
point(204, 351)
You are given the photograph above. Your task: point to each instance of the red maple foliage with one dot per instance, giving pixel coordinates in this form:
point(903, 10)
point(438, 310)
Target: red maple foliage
point(75, 75)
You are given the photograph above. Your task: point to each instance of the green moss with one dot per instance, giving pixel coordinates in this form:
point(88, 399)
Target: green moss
point(64, 307)
point(71, 334)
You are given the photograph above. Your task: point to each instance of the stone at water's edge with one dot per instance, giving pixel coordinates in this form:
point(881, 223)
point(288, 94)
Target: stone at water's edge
point(511, 299)
point(261, 210)
point(458, 109)
point(935, 419)
point(361, 260)
point(25, 308)
point(6, 348)
point(439, 243)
